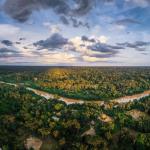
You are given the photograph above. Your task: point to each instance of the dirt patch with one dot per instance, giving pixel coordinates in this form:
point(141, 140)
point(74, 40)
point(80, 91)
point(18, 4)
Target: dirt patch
point(33, 142)
point(90, 132)
point(136, 114)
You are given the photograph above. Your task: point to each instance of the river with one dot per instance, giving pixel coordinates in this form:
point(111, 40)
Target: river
point(69, 101)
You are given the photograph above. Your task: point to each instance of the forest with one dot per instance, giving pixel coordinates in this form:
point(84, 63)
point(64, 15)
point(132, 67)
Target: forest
point(87, 83)
point(25, 116)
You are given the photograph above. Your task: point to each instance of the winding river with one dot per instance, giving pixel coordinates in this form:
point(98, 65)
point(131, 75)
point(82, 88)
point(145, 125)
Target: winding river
point(69, 101)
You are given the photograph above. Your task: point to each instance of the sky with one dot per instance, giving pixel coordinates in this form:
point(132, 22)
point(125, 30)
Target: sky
point(75, 32)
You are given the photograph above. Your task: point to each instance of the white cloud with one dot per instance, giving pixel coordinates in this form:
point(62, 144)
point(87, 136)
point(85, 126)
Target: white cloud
point(103, 39)
point(8, 31)
point(58, 57)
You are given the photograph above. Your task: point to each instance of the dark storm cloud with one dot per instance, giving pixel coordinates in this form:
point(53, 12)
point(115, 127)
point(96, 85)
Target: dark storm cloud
point(106, 51)
point(83, 6)
point(138, 45)
point(22, 9)
point(56, 41)
point(64, 20)
point(127, 21)
point(7, 42)
point(141, 43)
point(18, 42)
point(105, 48)
point(25, 47)
point(22, 39)
point(5, 52)
point(85, 38)
point(114, 47)
point(82, 45)
point(68, 10)
point(77, 23)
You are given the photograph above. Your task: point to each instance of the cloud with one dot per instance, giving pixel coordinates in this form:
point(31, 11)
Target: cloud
point(103, 39)
point(7, 42)
point(82, 47)
point(85, 48)
point(55, 41)
point(105, 48)
point(22, 39)
point(93, 50)
point(77, 23)
point(93, 39)
point(22, 9)
point(83, 7)
point(64, 20)
point(86, 39)
point(18, 42)
point(127, 21)
point(138, 45)
point(106, 55)
point(6, 50)
point(5, 53)
point(59, 57)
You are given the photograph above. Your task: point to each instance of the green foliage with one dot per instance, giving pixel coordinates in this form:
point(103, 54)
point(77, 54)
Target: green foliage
point(60, 126)
point(143, 141)
point(58, 107)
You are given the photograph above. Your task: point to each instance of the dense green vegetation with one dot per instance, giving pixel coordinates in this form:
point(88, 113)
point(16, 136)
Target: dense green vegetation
point(88, 83)
point(60, 126)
